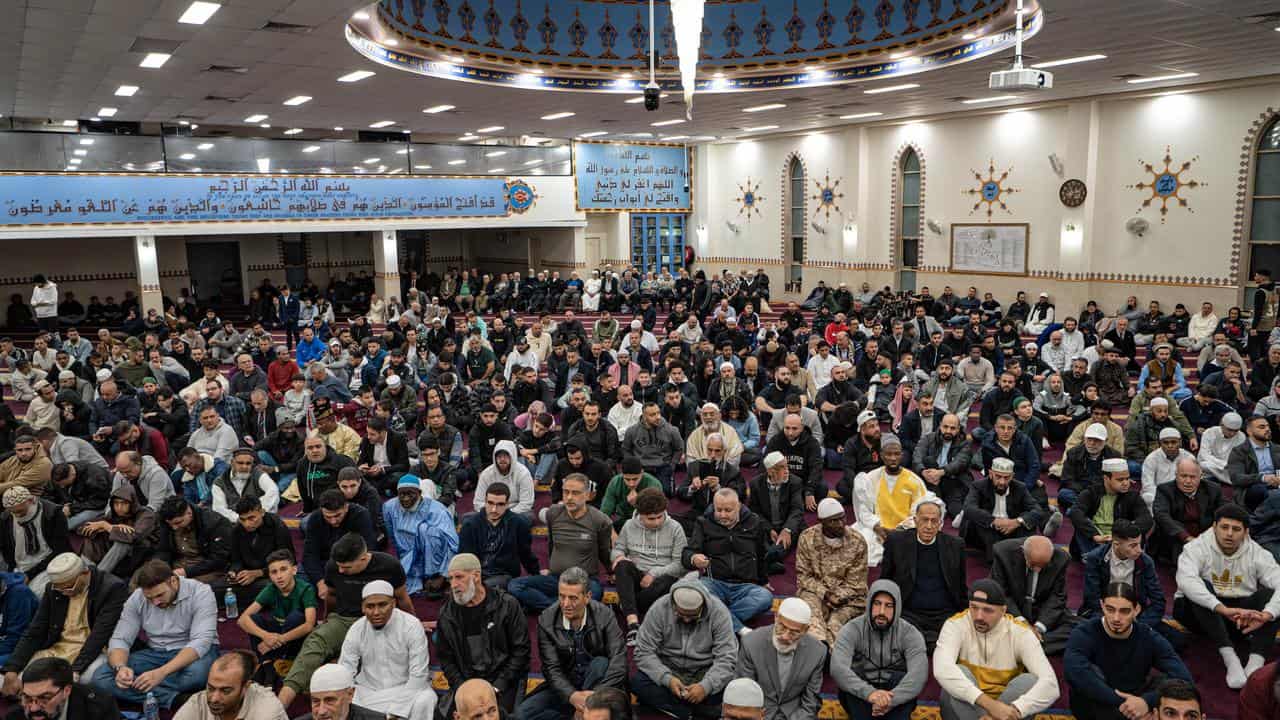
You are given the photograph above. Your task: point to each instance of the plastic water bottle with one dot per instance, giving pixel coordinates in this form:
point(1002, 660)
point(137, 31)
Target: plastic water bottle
point(151, 708)
point(229, 602)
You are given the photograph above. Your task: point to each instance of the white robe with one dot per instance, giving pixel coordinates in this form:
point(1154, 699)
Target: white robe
point(591, 295)
point(866, 487)
point(1214, 451)
point(391, 667)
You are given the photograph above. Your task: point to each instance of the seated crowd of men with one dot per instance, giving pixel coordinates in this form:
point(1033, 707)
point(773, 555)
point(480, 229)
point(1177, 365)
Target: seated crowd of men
point(143, 490)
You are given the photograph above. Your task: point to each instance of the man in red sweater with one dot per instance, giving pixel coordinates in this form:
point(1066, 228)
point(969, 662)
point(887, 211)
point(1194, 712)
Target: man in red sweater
point(280, 372)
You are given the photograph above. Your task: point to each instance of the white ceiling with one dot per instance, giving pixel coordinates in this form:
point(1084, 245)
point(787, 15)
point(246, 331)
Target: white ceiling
point(63, 59)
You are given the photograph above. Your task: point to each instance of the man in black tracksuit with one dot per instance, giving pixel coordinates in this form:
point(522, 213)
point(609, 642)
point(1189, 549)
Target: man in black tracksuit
point(804, 458)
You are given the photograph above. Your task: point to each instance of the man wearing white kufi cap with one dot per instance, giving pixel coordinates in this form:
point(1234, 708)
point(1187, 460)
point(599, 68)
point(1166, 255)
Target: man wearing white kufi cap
point(1161, 464)
point(831, 571)
point(332, 689)
point(386, 650)
point(743, 700)
point(1216, 445)
point(1105, 503)
point(786, 662)
point(997, 507)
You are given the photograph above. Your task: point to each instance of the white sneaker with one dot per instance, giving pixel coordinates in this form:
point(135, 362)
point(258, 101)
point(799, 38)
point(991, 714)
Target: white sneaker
point(1055, 522)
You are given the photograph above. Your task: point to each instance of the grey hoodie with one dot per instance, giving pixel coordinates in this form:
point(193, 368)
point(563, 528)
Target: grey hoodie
point(518, 480)
point(867, 659)
point(1269, 405)
point(656, 552)
point(706, 649)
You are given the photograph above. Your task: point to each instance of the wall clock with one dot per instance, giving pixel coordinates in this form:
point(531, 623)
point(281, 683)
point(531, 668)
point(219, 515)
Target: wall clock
point(1073, 193)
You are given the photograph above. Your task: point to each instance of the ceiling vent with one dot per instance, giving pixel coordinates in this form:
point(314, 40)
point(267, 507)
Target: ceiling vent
point(221, 98)
point(153, 45)
point(1263, 19)
point(235, 69)
point(291, 28)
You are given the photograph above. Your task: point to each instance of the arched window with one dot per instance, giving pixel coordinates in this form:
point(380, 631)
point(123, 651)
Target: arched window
point(797, 218)
point(1264, 228)
point(908, 230)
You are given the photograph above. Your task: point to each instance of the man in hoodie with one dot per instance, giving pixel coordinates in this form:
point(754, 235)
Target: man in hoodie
point(318, 470)
point(656, 443)
point(803, 454)
point(989, 664)
point(730, 548)
point(786, 662)
point(1227, 587)
point(879, 662)
point(514, 475)
point(646, 558)
point(685, 653)
point(124, 538)
point(423, 533)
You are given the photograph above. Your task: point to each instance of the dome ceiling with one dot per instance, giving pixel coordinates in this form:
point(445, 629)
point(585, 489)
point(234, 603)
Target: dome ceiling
point(746, 44)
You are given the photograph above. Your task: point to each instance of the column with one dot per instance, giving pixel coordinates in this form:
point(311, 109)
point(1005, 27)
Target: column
point(150, 297)
point(386, 264)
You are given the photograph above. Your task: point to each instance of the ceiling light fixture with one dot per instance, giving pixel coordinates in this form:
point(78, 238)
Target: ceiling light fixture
point(468, 138)
point(187, 156)
point(762, 108)
point(75, 161)
point(298, 100)
point(1160, 78)
point(435, 109)
point(70, 123)
point(496, 153)
point(676, 137)
point(154, 60)
point(391, 41)
point(79, 152)
point(558, 116)
point(356, 76)
point(491, 129)
point(640, 134)
point(993, 98)
point(971, 35)
point(310, 148)
point(497, 170)
point(205, 146)
point(255, 118)
point(338, 129)
point(127, 90)
point(457, 162)
point(264, 165)
point(664, 123)
point(362, 15)
point(760, 127)
point(264, 125)
point(199, 12)
point(86, 141)
point(859, 116)
point(370, 161)
point(891, 88)
point(897, 55)
point(293, 131)
point(1069, 61)
point(382, 124)
point(596, 133)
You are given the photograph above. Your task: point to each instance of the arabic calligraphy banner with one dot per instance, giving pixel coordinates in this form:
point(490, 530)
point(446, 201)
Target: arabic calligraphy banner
point(650, 178)
point(67, 199)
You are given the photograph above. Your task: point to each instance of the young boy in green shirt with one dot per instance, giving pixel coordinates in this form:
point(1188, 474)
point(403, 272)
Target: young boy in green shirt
point(284, 613)
point(620, 497)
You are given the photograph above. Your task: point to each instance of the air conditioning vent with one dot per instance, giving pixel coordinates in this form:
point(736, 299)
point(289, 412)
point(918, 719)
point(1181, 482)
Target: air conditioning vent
point(291, 28)
point(236, 69)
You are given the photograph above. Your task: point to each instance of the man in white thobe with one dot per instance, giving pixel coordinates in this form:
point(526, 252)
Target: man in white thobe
point(387, 652)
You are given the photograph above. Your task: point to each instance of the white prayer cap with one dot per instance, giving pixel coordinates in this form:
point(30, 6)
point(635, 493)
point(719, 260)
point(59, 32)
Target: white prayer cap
point(710, 406)
point(1170, 434)
point(1159, 402)
point(686, 598)
point(393, 380)
point(331, 677)
point(773, 458)
point(796, 610)
point(1030, 346)
point(103, 375)
point(743, 692)
point(378, 587)
point(1232, 421)
point(829, 508)
point(1002, 465)
point(1111, 465)
point(65, 567)
point(726, 366)
point(1097, 431)
point(635, 325)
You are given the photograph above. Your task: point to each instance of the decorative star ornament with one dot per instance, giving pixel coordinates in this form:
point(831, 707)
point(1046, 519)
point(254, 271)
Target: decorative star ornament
point(991, 190)
point(827, 197)
point(1166, 184)
point(749, 198)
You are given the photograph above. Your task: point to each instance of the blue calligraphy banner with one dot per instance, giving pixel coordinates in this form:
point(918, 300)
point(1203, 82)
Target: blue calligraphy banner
point(614, 176)
point(110, 199)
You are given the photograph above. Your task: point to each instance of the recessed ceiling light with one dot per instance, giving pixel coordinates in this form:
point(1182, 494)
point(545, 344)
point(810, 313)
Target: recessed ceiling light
point(424, 167)
point(897, 55)
point(404, 151)
point(596, 133)
point(382, 124)
point(370, 161)
point(70, 123)
point(75, 161)
point(264, 125)
point(760, 127)
point(676, 137)
point(891, 88)
point(640, 98)
point(640, 134)
point(558, 116)
point(154, 60)
point(703, 138)
point(457, 58)
point(338, 129)
point(497, 170)
point(199, 12)
point(187, 156)
point(298, 100)
point(457, 162)
point(971, 35)
point(491, 129)
point(264, 164)
point(356, 76)
point(310, 148)
point(1159, 78)
point(255, 118)
point(184, 122)
point(625, 76)
point(205, 146)
point(762, 108)
point(664, 123)
point(79, 152)
point(293, 131)
point(434, 109)
point(993, 98)
point(1069, 61)
point(718, 75)
point(496, 153)
point(468, 138)
point(362, 15)
point(86, 141)
point(126, 90)
point(858, 116)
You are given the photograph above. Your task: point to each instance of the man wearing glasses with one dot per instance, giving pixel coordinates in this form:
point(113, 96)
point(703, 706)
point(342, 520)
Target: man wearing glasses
point(48, 692)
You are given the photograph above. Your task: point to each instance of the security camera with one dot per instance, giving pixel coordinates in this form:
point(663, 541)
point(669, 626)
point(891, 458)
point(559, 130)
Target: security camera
point(651, 95)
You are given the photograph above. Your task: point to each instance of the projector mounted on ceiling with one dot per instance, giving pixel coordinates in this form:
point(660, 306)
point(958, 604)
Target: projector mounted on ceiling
point(1018, 77)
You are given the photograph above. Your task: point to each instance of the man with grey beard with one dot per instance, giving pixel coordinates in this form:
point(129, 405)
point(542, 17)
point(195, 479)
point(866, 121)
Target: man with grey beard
point(482, 633)
point(791, 691)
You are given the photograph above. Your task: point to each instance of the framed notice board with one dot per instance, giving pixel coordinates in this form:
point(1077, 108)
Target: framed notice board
point(990, 248)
